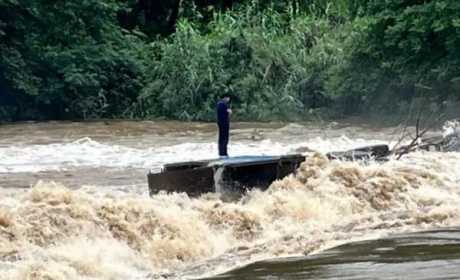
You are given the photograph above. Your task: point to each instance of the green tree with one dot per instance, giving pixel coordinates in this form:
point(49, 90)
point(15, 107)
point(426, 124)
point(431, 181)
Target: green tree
point(68, 59)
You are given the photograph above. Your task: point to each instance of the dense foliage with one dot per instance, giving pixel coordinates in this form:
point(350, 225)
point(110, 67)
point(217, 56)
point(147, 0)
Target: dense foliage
point(284, 59)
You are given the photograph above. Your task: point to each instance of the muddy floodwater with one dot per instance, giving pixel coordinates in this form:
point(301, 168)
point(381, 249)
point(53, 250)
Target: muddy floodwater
point(74, 204)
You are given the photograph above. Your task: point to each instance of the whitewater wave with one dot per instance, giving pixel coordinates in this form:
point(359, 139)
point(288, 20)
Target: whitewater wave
point(52, 232)
point(86, 152)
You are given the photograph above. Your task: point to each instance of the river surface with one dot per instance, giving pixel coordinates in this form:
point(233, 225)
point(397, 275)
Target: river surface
point(74, 204)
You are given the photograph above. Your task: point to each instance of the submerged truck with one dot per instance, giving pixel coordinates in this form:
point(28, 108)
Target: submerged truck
point(234, 174)
point(242, 173)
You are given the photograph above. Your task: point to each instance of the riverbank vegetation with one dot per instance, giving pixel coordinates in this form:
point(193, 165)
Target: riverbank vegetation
point(284, 59)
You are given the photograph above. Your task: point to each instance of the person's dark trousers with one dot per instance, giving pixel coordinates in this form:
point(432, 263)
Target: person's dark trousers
point(223, 139)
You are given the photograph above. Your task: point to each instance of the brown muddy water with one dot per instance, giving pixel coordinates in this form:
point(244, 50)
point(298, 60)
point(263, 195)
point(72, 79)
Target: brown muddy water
point(74, 204)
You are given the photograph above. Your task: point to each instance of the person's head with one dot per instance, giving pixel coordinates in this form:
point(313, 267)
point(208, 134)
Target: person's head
point(226, 97)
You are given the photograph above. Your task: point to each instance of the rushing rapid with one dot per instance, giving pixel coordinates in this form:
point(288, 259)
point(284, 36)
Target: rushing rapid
point(62, 229)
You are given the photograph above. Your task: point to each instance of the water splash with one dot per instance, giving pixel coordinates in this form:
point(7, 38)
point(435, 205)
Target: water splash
point(86, 152)
point(51, 232)
point(218, 180)
point(451, 133)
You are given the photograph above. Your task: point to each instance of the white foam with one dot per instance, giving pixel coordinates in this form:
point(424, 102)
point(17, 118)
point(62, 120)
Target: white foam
point(86, 152)
point(73, 234)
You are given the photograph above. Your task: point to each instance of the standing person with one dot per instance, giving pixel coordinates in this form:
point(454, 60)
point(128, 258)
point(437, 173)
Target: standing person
point(223, 121)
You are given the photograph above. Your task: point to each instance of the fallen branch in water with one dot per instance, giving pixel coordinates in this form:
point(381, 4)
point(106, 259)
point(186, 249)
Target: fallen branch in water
point(417, 142)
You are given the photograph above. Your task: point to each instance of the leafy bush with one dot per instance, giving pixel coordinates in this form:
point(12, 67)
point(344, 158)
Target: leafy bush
point(273, 68)
point(404, 50)
point(68, 59)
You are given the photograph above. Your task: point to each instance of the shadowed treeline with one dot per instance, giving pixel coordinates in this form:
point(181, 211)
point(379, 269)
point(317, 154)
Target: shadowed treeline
point(172, 59)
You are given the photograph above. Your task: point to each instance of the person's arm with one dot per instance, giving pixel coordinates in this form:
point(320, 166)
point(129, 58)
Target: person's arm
point(228, 109)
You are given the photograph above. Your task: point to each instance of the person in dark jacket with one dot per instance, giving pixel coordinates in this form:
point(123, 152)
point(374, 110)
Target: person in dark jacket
point(223, 121)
